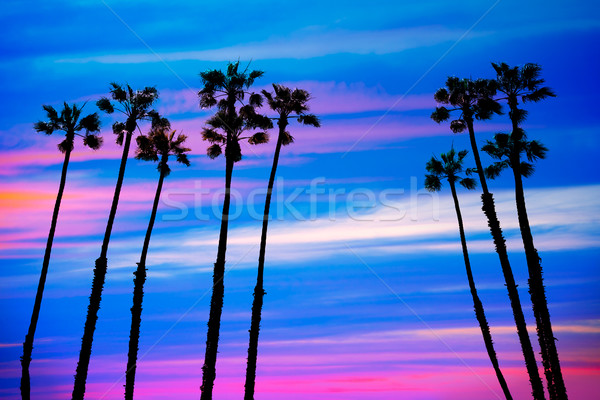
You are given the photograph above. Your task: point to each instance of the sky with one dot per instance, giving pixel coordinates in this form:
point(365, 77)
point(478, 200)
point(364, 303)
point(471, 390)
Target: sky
point(367, 296)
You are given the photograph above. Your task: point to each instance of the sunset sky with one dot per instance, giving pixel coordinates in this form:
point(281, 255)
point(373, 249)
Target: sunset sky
point(367, 296)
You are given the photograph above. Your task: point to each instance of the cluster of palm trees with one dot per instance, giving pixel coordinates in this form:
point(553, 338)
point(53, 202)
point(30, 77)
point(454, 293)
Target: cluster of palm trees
point(479, 100)
point(237, 114)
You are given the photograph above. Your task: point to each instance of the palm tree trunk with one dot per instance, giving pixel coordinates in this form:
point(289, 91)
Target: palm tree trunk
point(258, 290)
point(216, 301)
point(28, 344)
point(98, 285)
point(489, 209)
point(138, 295)
point(550, 360)
point(479, 312)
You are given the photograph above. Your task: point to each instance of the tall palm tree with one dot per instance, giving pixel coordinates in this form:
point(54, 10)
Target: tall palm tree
point(526, 85)
point(71, 124)
point(136, 106)
point(157, 146)
point(225, 128)
point(287, 103)
point(473, 99)
point(448, 168)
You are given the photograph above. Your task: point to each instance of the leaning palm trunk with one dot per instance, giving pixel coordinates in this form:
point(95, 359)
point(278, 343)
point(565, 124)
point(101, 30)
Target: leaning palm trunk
point(489, 210)
point(138, 297)
point(259, 290)
point(479, 312)
point(550, 360)
point(98, 285)
point(218, 290)
point(28, 344)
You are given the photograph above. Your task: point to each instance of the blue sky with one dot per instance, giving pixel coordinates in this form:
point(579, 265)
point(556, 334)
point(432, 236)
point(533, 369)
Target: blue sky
point(367, 295)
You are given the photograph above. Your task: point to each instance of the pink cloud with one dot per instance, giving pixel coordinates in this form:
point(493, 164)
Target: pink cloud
point(420, 382)
point(327, 98)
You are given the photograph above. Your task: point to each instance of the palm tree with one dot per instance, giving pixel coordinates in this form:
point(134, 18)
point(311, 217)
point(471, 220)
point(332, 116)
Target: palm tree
point(135, 105)
point(157, 146)
point(473, 99)
point(226, 90)
point(288, 104)
point(525, 84)
point(68, 122)
point(449, 168)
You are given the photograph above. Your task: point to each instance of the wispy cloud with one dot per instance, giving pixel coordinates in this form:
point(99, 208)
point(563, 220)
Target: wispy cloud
point(304, 44)
point(326, 98)
point(560, 219)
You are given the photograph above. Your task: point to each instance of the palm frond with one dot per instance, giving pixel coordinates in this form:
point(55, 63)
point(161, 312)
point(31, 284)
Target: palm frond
point(494, 170)
point(433, 183)
point(486, 107)
point(440, 114)
point(255, 100)
point(119, 129)
point(44, 127)
point(66, 145)
point(91, 123)
point(50, 112)
point(105, 105)
point(468, 183)
point(535, 150)
point(539, 94)
point(146, 150)
point(287, 139)
point(94, 142)
point(259, 138)
point(214, 151)
point(118, 93)
point(309, 119)
point(441, 96)
point(526, 169)
point(458, 126)
point(212, 136)
point(183, 159)
point(435, 166)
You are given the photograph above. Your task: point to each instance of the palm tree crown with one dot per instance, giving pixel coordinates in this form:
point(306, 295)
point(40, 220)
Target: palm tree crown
point(159, 144)
point(520, 82)
point(503, 148)
point(69, 122)
point(473, 98)
point(226, 90)
point(287, 102)
point(450, 165)
point(134, 104)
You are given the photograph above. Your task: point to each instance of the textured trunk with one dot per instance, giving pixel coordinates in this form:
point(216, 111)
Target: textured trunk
point(550, 360)
point(259, 290)
point(479, 312)
point(97, 286)
point(28, 344)
point(216, 301)
point(138, 296)
point(489, 209)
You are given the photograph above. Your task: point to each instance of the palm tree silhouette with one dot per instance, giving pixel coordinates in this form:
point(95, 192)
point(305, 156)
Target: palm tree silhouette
point(448, 168)
point(135, 105)
point(525, 83)
point(68, 122)
point(473, 99)
point(157, 146)
point(288, 104)
point(226, 90)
